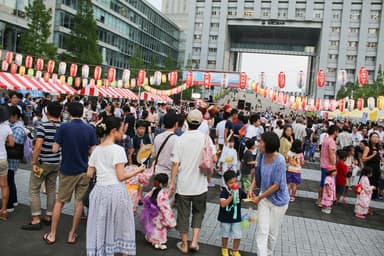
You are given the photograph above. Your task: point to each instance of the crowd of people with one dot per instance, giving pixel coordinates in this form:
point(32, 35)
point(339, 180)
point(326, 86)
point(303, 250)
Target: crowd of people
point(107, 152)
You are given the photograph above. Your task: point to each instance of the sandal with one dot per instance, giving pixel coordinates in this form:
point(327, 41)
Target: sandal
point(179, 246)
point(74, 241)
point(160, 246)
point(46, 239)
point(4, 215)
point(194, 249)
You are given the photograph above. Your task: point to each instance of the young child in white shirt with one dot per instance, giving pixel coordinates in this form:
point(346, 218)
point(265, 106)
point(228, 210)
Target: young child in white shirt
point(228, 159)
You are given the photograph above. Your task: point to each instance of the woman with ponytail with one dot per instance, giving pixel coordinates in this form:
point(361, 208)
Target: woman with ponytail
point(111, 225)
point(157, 216)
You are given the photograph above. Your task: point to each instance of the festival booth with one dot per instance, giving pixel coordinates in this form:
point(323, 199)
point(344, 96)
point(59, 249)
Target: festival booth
point(114, 93)
point(156, 98)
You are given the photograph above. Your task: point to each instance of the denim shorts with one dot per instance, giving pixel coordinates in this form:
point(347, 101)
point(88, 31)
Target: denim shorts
point(231, 230)
point(323, 176)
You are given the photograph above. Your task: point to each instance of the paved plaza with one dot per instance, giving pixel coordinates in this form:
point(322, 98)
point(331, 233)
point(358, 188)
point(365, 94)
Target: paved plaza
point(305, 230)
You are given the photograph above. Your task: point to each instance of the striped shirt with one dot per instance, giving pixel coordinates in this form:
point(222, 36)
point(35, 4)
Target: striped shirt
point(47, 131)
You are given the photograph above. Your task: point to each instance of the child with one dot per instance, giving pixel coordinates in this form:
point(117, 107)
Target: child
point(248, 164)
point(353, 166)
point(228, 158)
point(364, 198)
point(329, 191)
point(230, 213)
point(342, 173)
point(295, 162)
point(157, 216)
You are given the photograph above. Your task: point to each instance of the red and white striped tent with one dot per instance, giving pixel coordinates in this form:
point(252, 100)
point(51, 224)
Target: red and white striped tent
point(11, 81)
point(153, 97)
point(91, 91)
point(127, 94)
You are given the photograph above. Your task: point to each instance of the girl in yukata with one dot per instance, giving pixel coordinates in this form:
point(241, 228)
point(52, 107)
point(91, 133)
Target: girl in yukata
point(133, 184)
point(329, 191)
point(363, 199)
point(157, 216)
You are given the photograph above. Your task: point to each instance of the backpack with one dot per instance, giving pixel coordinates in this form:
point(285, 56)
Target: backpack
point(206, 158)
point(28, 149)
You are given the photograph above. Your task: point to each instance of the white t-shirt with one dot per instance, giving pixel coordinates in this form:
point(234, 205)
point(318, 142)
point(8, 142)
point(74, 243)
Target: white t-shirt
point(187, 151)
point(104, 159)
point(204, 127)
point(5, 130)
point(220, 128)
point(253, 131)
point(229, 159)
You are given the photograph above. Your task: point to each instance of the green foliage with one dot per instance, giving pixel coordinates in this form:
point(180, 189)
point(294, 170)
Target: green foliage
point(136, 62)
point(370, 90)
point(82, 45)
point(34, 40)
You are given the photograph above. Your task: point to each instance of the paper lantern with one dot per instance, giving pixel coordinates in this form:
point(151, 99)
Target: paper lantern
point(4, 65)
point(266, 92)
point(262, 79)
point(270, 93)
point(38, 75)
point(332, 105)
point(126, 85)
point(285, 99)
point(46, 77)
point(380, 102)
point(189, 79)
point(18, 59)
point(85, 71)
point(62, 68)
point(50, 66)
point(9, 57)
point(39, 64)
point(326, 104)
point(111, 76)
point(133, 83)
point(304, 102)
point(13, 69)
point(351, 104)
point(105, 83)
point(84, 82)
point(54, 78)
point(318, 104)
point(342, 105)
point(77, 82)
point(141, 78)
point(363, 76)
point(321, 78)
point(292, 100)
point(99, 83)
point(30, 72)
point(371, 103)
point(97, 73)
point(274, 96)
point(152, 80)
point(281, 80)
point(342, 77)
point(360, 104)
point(62, 79)
point(207, 80)
point(300, 80)
point(73, 70)
point(22, 70)
point(163, 78)
point(157, 78)
point(243, 80)
point(113, 84)
point(92, 83)
point(256, 89)
point(280, 98)
point(70, 81)
point(311, 104)
point(28, 61)
point(297, 102)
point(126, 75)
point(119, 83)
point(172, 77)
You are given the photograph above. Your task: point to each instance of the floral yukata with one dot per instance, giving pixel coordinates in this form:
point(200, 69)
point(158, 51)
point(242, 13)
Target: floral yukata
point(133, 184)
point(364, 198)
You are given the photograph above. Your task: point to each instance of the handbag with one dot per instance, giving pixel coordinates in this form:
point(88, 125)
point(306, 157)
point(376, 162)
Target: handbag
point(15, 152)
point(91, 185)
point(206, 158)
point(160, 149)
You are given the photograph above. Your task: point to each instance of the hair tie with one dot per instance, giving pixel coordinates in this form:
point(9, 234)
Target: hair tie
point(156, 183)
point(103, 126)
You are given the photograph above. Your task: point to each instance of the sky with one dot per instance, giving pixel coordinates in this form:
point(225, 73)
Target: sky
point(253, 64)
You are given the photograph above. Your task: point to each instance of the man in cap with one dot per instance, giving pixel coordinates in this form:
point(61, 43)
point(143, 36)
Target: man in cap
point(191, 184)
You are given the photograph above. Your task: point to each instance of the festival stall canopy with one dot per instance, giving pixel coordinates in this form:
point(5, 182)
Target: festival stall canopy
point(153, 97)
point(91, 91)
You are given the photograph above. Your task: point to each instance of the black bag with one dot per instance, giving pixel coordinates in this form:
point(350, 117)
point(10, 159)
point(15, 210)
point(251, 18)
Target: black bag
point(15, 152)
point(349, 174)
point(91, 185)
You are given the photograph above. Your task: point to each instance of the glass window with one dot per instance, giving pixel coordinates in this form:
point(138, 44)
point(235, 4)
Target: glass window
point(211, 62)
point(265, 12)
point(215, 11)
point(372, 45)
point(335, 29)
point(215, 25)
point(354, 30)
point(336, 14)
point(198, 25)
point(334, 43)
point(232, 11)
point(300, 13)
point(372, 31)
point(355, 15)
point(197, 37)
point(332, 56)
point(199, 11)
point(282, 12)
point(213, 37)
point(375, 15)
point(352, 44)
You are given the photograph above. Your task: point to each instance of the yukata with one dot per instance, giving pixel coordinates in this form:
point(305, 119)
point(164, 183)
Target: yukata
point(133, 184)
point(327, 200)
point(364, 198)
point(157, 217)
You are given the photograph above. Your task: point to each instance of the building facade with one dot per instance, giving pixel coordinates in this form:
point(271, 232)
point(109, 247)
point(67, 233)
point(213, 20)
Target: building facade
point(122, 26)
point(335, 35)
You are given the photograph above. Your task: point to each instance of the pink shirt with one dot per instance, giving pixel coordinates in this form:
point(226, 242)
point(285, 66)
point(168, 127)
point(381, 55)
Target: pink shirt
point(327, 145)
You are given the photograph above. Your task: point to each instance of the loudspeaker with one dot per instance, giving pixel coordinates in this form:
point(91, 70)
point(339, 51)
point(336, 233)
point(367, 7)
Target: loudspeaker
point(248, 106)
point(240, 104)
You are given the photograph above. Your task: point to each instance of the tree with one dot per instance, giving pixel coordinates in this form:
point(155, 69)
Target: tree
point(136, 62)
point(82, 46)
point(153, 66)
point(34, 40)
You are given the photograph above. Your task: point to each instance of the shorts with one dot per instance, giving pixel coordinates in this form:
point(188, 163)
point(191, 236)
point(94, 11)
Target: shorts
point(72, 183)
point(184, 203)
point(323, 176)
point(231, 230)
point(293, 177)
point(3, 167)
point(340, 189)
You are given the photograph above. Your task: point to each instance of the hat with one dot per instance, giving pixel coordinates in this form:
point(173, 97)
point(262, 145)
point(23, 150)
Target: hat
point(227, 108)
point(195, 117)
point(144, 153)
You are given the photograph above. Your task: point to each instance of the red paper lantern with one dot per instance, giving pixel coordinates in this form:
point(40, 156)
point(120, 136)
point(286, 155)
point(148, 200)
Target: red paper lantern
point(243, 80)
point(274, 96)
point(363, 76)
point(172, 77)
point(133, 83)
point(39, 64)
point(141, 78)
point(360, 104)
point(207, 80)
point(285, 98)
point(73, 70)
point(281, 80)
point(342, 105)
point(266, 92)
point(105, 83)
point(4, 65)
point(304, 101)
point(97, 73)
point(50, 66)
point(77, 82)
point(332, 105)
point(318, 104)
point(28, 61)
point(46, 77)
point(189, 79)
point(13, 69)
point(9, 57)
point(321, 78)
